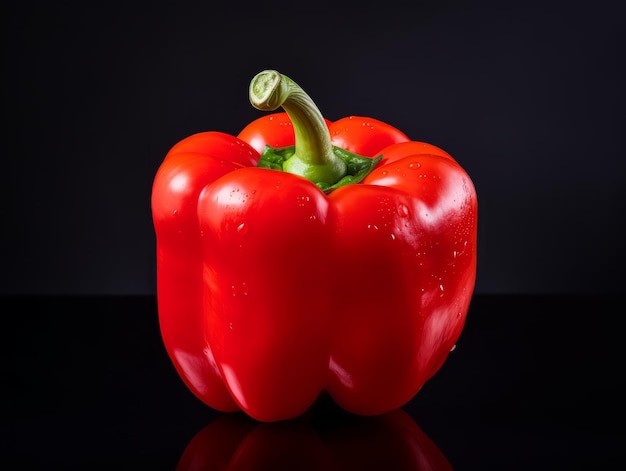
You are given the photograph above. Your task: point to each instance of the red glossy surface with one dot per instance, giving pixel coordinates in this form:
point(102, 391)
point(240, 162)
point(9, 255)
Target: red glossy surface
point(271, 292)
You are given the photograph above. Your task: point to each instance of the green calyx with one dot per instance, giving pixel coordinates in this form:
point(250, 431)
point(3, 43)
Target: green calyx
point(357, 167)
point(313, 156)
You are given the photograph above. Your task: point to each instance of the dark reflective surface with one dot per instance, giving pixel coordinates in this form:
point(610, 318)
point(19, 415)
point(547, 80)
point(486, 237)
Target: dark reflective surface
point(534, 383)
point(323, 439)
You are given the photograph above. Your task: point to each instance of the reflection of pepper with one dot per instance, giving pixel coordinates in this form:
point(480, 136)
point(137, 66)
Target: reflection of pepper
point(333, 442)
point(346, 264)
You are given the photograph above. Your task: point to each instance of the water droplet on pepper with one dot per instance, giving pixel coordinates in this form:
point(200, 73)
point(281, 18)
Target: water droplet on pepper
point(242, 228)
point(403, 211)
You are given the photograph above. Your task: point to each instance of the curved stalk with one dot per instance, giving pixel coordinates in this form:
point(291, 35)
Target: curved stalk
point(314, 157)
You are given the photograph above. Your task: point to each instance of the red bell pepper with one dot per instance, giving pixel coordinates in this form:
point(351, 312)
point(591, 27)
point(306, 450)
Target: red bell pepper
point(340, 260)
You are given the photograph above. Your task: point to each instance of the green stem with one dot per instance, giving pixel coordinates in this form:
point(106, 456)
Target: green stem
point(314, 157)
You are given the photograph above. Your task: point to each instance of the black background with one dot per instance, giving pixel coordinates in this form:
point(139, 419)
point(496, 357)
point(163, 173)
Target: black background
point(528, 98)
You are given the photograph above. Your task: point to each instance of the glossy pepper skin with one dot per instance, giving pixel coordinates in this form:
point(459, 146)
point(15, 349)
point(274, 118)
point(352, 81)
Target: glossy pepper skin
point(277, 284)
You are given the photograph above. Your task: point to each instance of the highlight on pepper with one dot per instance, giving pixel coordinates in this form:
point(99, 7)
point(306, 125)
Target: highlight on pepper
point(307, 257)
